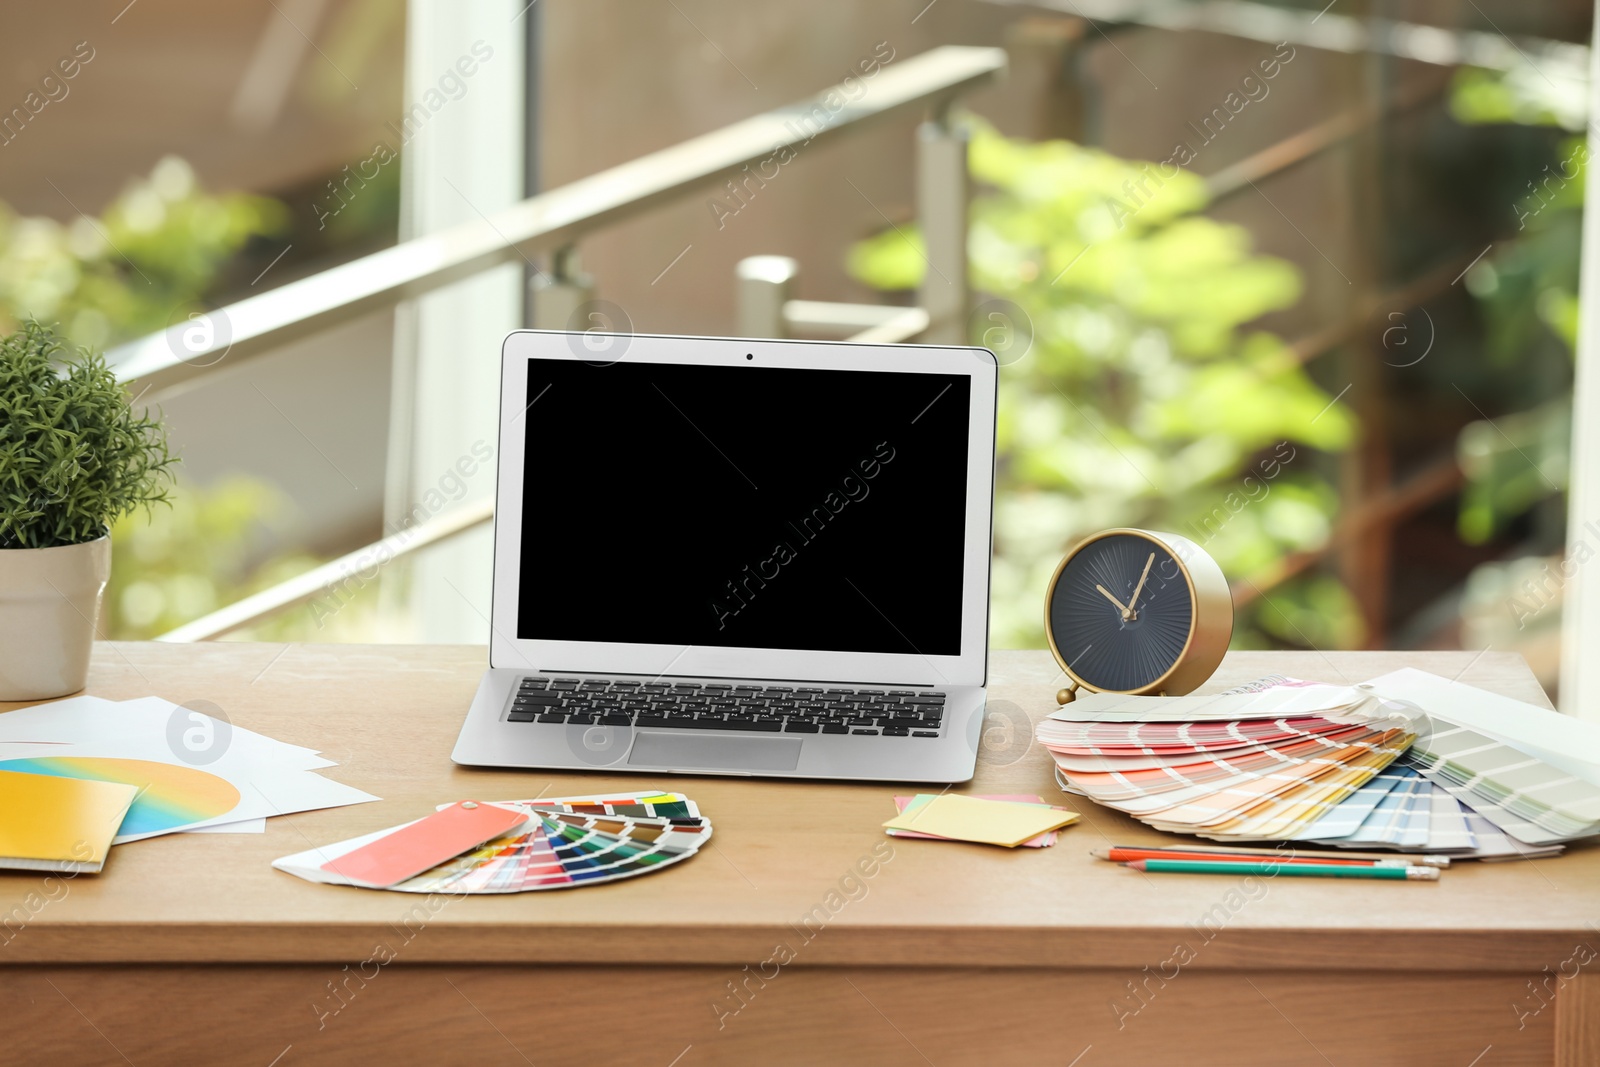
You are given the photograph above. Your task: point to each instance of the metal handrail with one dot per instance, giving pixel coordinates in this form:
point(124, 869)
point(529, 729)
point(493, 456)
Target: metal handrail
point(265, 322)
point(905, 324)
point(1317, 27)
point(822, 316)
point(555, 219)
point(336, 576)
point(886, 324)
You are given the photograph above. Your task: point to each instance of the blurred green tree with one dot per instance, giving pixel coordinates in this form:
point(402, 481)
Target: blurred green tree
point(211, 548)
point(1518, 465)
point(143, 264)
point(194, 557)
point(1132, 391)
point(1527, 291)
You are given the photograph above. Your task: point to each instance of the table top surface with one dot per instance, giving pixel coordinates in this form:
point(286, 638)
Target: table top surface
point(389, 714)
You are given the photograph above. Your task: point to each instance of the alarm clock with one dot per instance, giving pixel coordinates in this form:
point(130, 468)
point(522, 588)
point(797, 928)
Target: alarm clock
point(1137, 612)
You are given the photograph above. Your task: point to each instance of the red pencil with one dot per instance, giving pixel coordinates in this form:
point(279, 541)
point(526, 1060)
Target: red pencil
point(1121, 854)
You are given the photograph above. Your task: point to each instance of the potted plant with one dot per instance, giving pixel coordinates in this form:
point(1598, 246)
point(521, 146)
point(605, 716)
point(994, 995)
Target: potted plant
point(74, 456)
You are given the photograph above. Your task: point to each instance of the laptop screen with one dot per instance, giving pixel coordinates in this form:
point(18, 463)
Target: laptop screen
point(744, 507)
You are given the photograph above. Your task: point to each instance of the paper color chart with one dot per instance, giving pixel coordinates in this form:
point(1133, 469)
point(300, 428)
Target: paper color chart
point(570, 842)
point(648, 805)
point(1336, 766)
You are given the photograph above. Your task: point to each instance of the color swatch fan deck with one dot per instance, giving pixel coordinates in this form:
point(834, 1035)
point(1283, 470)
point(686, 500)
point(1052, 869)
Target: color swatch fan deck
point(563, 842)
point(1390, 764)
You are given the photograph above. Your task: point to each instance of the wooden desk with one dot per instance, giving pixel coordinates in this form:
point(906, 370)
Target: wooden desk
point(191, 949)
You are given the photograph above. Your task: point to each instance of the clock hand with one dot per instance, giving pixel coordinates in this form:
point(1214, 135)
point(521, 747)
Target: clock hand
point(1120, 605)
point(1133, 601)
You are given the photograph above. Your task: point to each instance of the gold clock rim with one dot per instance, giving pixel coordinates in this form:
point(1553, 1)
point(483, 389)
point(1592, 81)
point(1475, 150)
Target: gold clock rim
point(1195, 621)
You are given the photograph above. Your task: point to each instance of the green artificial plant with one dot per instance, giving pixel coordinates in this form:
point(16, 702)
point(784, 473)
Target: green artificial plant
point(74, 455)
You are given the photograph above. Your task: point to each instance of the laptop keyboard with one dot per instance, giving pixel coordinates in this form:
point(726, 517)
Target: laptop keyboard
point(708, 706)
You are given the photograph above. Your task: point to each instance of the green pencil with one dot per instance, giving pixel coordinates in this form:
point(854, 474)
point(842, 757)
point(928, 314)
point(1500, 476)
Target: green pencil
point(1292, 870)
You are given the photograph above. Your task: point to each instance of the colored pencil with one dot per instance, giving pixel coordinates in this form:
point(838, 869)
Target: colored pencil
point(1119, 854)
point(1341, 854)
point(1321, 870)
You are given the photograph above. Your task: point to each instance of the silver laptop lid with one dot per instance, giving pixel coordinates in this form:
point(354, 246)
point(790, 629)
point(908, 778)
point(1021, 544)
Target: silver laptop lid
point(736, 508)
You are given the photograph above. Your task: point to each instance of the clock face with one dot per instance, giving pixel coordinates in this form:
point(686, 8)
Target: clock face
point(1121, 612)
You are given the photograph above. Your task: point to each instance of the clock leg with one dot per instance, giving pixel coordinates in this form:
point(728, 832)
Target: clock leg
point(1067, 695)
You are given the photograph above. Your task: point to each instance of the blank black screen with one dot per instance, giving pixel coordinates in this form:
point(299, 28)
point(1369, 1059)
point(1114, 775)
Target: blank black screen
point(744, 507)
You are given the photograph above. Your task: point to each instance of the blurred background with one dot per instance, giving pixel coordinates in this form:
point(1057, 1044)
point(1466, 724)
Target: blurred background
point(1298, 282)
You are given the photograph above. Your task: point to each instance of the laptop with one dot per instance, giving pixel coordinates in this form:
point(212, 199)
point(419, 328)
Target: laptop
point(739, 557)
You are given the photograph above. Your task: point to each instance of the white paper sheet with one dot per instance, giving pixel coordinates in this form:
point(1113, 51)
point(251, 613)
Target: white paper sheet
point(90, 719)
point(271, 777)
point(247, 826)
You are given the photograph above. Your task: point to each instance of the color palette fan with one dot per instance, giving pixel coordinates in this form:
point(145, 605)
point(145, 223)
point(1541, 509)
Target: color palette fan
point(1339, 766)
point(563, 842)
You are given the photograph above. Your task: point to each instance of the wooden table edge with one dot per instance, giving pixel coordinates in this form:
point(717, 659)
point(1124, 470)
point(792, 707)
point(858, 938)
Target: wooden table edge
point(1481, 951)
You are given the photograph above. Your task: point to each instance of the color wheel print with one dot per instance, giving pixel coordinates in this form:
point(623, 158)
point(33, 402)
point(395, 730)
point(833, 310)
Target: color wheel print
point(170, 796)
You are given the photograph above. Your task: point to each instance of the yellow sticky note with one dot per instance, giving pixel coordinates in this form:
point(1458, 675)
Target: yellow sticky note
point(990, 822)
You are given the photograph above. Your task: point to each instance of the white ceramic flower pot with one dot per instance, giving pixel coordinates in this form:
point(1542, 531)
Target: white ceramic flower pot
point(49, 602)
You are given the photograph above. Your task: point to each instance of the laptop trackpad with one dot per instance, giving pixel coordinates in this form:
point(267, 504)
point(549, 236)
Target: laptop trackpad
point(682, 751)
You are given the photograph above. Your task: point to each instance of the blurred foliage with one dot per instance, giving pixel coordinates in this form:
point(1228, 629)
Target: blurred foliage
point(193, 557)
point(1132, 392)
point(143, 264)
point(1512, 465)
point(375, 211)
point(1525, 96)
point(210, 549)
point(1527, 291)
